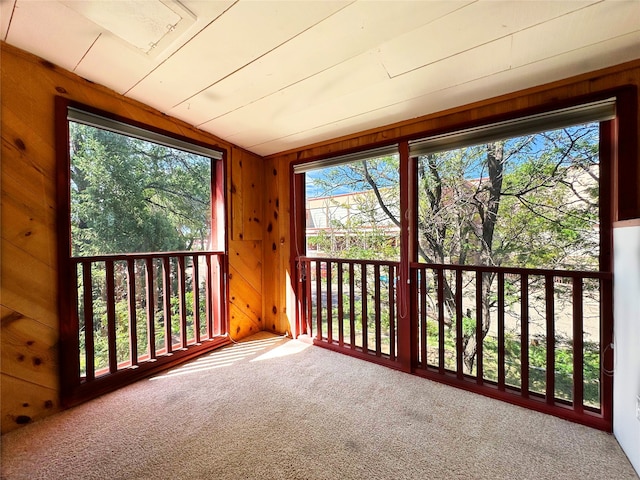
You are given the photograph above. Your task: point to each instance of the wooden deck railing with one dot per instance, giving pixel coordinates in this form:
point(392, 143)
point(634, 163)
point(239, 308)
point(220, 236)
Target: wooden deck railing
point(137, 313)
point(536, 338)
point(351, 305)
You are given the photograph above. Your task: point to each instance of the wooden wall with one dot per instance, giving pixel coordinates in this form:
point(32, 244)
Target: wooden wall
point(29, 291)
point(277, 295)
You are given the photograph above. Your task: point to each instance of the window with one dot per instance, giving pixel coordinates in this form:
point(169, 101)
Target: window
point(132, 195)
point(353, 206)
point(144, 244)
point(491, 261)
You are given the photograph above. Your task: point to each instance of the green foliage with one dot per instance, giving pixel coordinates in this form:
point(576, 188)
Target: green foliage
point(537, 352)
point(139, 303)
point(537, 207)
point(129, 195)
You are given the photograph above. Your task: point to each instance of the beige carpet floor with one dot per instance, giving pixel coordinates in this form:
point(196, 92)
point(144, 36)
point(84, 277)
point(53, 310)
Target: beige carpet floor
point(272, 408)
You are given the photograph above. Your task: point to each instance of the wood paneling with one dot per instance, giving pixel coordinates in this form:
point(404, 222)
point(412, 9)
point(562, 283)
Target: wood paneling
point(24, 402)
point(28, 349)
point(30, 318)
point(246, 196)
point(29, 369)
point(278, 316)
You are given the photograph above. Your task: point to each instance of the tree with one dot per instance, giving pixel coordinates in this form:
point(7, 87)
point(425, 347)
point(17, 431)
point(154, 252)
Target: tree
point(529, 201)
point(129, 195)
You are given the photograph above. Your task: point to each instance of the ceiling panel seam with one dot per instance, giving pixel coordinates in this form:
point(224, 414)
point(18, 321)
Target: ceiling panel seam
point(262, 55)
point(10, 19)
point(572, 12)
point(427, 94)
point(308, 76)
point(559, 54)
point(281, 89)
point(181, 47)
point(87, 52)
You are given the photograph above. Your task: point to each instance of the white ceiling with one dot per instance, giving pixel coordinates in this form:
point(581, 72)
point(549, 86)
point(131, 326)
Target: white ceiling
point(275, 75)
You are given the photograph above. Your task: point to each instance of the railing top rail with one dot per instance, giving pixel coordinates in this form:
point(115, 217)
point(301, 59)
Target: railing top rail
point(355, 261)
point(514, 270)
point(142, 256)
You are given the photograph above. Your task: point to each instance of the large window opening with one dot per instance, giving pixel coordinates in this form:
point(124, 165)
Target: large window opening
point(145, 248)
point(353, 209)
point(131, 196)
point(498, 270)
point(526, 202)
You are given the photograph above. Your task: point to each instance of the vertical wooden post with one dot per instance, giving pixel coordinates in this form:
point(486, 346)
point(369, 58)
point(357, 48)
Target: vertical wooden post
point(340, 304)
point(298, 244)
point(111, 317)
point(440, 295)
point(459, 325)
point(318, 300)
point(352, 311)
point(407, 344)
point(392, 313)
point(196, 296)
point(479, 329)
point(209, 296)
point(151, 327)
point(524, 335)
point(501, 326)
point(378, 323)
point(578, 352)
point(182, 307)
point(329, 271)
point(422, 272)
point(551, 339)
point(87, 284)
point(131, 302)
point(166, 296)
point(365, 312)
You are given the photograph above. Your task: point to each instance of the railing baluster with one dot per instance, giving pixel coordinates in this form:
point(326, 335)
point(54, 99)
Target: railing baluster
point(151, 327)
point(479, 329)
point(182, 306)
point(606, 351)
point(423, 317)
point(222, 289)
point(378, 323)
point(209, 297)
point(196, 296)
point(329, 303)
point(392, 313)
point(166, 297)
point(440, 295)
point(551, 341)
point(352, 302)
point(340, 299)
point(459, 325)
point(524, 335)
point(319, 300)
point(111, 317)
point(309, 305)
point(501, 366)
point(131, 302)
point(365, 313)
point(89, 347)
point(578, 356)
